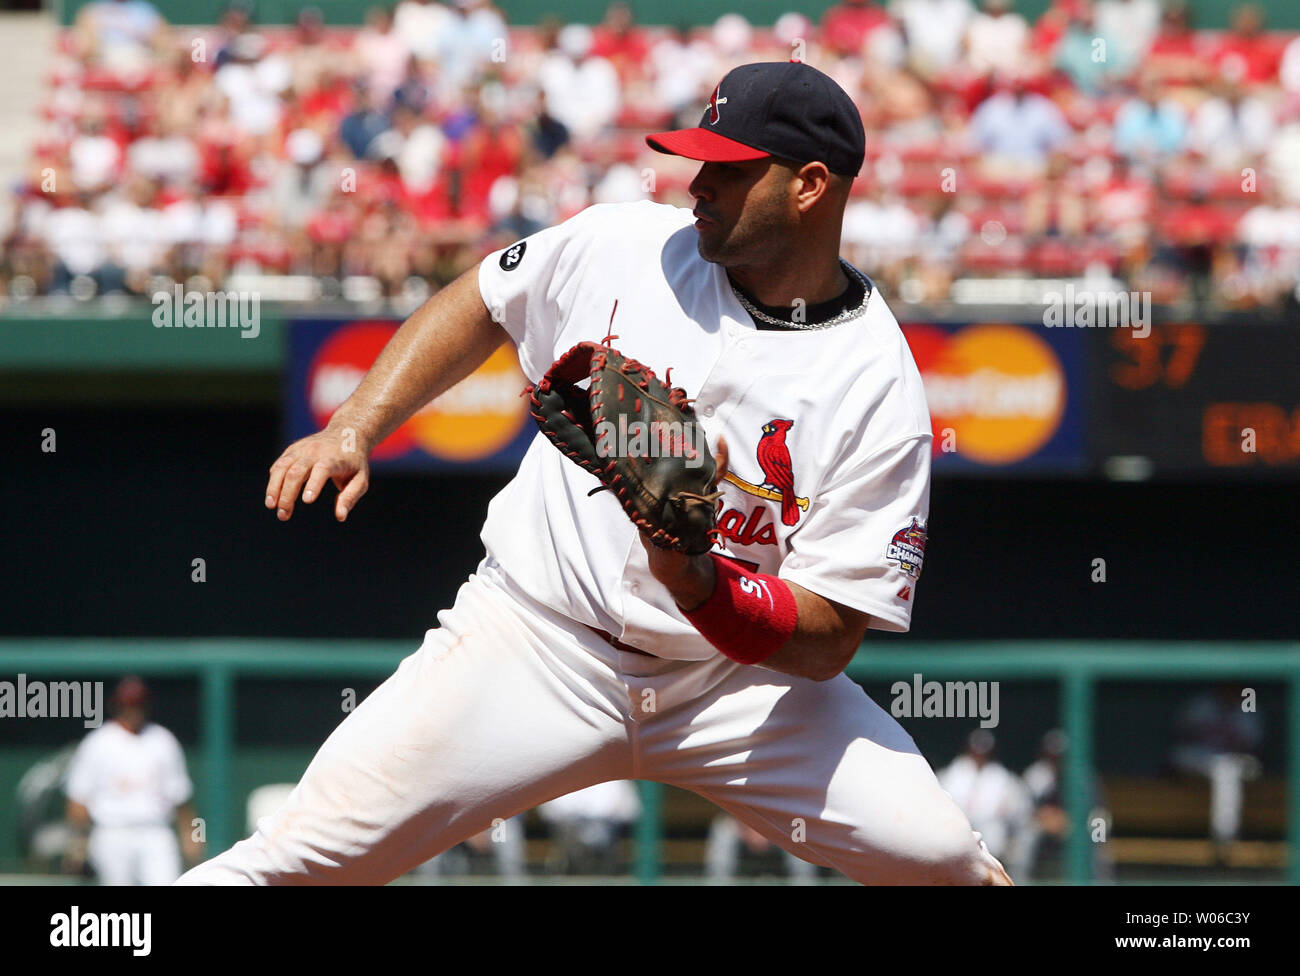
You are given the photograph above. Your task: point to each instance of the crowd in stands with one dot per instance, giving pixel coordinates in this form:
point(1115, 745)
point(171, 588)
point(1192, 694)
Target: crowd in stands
point(1105, 137)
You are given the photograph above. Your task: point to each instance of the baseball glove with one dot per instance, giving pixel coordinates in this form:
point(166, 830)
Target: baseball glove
point(638, 436)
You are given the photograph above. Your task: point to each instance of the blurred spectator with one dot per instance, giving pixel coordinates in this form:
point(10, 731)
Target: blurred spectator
point(236, 22)
point(1124, 206)
point(364, 123)
point(1046, 34)
point(168, 155)
point(382, 54)
point(881, 233)
point(422, 24)
point(546, 133)
point(1270, 233)
point(1043, 834)
point(1271, 223)
point(416, 146)
point(126, 786)
point(847, 25)
point(586, 827)
point(137, 232)
point(1289, 68)
point(1217, 739)
point(935, 31)
point(1019, 126)
point(1283, 159)
point(736, 850)
point(1176, 53)
point(1039, 845)
point(1088, 55)
point(414, 91)
point(1129, 27)
point(121, 35)
point(94, 156)
point(997, 39)
point(733, 38)
point(992, 797)
point(72, 234)
point(475, 38)
point(1231, 128)
point(582, 91)
point(302, 187)
point(1055, 206)
point(493, 149)
point(252, 86)
point(620, 41)
point(1193, 234)
point(683, 74)
point(1246, 54)
point(1149, 126)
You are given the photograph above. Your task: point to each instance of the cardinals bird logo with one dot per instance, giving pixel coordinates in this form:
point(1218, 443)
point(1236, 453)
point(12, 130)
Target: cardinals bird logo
point(778, 474)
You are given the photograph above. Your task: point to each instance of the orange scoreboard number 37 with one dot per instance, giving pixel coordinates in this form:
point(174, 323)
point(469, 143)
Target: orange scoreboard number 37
point(1193, 396)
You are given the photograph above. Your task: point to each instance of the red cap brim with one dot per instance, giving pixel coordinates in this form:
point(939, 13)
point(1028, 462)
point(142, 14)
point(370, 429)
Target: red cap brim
point(704, 145)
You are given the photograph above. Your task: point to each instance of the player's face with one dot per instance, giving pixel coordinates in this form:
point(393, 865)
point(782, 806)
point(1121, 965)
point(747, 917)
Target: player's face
point(744, 212)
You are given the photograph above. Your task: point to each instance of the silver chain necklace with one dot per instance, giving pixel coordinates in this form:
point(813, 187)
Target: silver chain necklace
point(842, 316)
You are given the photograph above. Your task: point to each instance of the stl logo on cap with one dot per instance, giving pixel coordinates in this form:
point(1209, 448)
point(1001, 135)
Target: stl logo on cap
point(714, 101)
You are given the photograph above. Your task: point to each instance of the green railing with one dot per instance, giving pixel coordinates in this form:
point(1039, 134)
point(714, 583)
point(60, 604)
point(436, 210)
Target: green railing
point(1077, 666)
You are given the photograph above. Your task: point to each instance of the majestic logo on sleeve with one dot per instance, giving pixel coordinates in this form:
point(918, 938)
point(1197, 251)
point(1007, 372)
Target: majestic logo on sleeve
point(714, 102)
point(908, 548)
point(777, 486)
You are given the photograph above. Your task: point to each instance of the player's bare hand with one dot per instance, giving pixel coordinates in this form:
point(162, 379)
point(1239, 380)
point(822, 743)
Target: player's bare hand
point(334, 454)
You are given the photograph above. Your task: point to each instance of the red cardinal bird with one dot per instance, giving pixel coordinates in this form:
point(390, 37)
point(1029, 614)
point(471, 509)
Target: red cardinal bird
point(778, 475)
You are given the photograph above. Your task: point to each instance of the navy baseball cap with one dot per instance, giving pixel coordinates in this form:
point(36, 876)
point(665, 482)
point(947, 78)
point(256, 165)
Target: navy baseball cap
point(774, 108)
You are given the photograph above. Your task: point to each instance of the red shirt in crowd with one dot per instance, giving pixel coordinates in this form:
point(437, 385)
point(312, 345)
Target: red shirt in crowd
point(846, 26)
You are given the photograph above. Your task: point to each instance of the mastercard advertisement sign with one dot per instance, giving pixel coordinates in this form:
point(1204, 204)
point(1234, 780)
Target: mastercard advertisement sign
point(480, 423)
point(1002, 395)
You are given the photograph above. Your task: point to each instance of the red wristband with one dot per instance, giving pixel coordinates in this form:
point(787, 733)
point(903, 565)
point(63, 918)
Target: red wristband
point(748, 616)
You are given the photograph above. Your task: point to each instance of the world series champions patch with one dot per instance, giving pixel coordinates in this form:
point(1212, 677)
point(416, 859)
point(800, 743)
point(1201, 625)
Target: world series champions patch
point(908, 548)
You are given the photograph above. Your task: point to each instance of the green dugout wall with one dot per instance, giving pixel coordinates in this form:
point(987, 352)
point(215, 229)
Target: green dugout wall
point(1076, 668)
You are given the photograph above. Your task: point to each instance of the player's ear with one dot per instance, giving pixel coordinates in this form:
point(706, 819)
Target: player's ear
point(815, 182)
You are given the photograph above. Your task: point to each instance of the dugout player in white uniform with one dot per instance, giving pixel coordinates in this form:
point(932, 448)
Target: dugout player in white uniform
point(128, 796)
point(577, 654)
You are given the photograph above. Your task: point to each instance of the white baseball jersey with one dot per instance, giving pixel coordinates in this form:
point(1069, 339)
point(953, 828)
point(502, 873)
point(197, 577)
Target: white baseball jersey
point(508, 705)
point(858, 445)
point(127, 779)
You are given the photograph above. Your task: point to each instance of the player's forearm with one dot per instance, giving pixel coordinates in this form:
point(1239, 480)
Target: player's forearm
point(445, 340)
point(78, 816)
point(823, 642)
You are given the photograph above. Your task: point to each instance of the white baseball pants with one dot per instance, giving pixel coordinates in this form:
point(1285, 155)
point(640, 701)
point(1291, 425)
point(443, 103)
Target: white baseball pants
point(508, 704)
point(137, 855)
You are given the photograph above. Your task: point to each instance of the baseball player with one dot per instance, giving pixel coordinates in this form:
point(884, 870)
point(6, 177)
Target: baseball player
point(578, 653)
point(128, 796)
